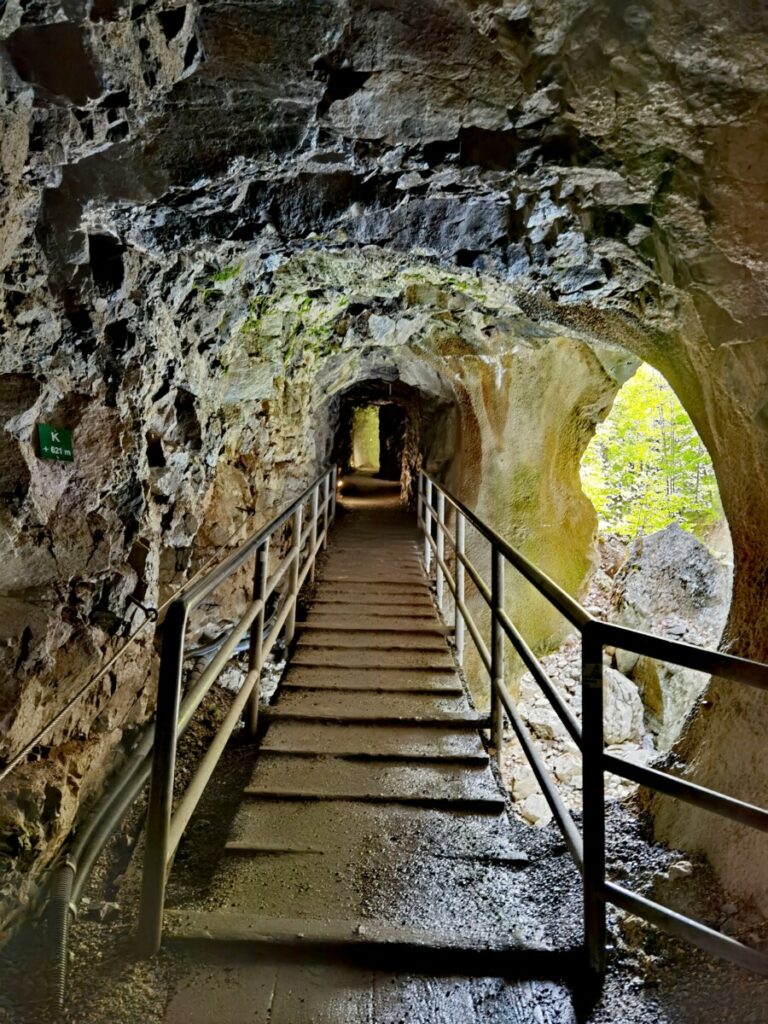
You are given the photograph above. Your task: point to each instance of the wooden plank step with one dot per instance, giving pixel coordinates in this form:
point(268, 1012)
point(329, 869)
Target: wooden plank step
point(370, 640)
point(332, 597)
point(368, 576)
point(398, 741)
point(394, 563)
point(364, 583)
point(253, 849)
point(425, 661)
point(297, 985)
point(405, 833)
point(332, 778)
point(444, 721)
point(479, 758)
point(424, 865)
point(417, 610)
point(356, 623)
point(345, 705)
point(475, 805)
point(367, 680)
point(230, 926)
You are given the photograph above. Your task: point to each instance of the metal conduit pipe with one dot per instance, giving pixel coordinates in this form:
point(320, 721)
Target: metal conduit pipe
point(72, 873)
point(70, 876)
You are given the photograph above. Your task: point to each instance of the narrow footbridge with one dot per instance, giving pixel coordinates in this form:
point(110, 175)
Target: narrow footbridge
point(372, 871)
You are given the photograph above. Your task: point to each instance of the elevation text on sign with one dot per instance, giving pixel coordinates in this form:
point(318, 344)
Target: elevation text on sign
point(55, 443)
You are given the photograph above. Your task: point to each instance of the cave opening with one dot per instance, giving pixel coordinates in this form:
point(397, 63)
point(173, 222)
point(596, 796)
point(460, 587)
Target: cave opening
point(647, 467)
point(376, 440)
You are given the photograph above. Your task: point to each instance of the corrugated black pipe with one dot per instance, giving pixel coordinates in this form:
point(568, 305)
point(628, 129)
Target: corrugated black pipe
point(59, 910)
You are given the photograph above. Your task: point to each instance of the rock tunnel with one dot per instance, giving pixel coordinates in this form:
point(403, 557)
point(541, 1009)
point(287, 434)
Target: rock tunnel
point(225, 227)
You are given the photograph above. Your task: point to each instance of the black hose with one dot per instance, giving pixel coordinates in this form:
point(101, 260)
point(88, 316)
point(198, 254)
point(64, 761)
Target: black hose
point(218, 643)
point(125, 798)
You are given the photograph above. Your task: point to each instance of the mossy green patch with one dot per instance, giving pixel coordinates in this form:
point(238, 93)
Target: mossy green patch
point(227, 273)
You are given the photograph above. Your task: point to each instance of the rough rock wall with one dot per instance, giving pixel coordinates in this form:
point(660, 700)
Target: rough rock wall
point(603, 163)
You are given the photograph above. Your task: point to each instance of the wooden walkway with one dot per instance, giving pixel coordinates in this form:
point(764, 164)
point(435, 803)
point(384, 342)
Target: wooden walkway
point(371, 874)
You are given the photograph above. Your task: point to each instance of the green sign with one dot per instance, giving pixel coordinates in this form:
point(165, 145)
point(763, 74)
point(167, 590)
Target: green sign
point(55, 443)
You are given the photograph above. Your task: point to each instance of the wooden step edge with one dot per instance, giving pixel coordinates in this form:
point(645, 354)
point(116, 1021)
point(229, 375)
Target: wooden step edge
point(411, 689)
point(480, 758)
point(423, 613)
point(377, 666)
point(329, 596)
point(447, 674)
point(367, 564)
point(241, 846)
point(477, 805)
point(335, 594)
point(445, 721)
point(428, 629)
point(305, 644)
point(231, 926)
point(370, 583)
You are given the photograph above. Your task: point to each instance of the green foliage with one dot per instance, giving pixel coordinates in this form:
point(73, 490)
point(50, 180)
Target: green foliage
point(365, 437)
point(646, 466)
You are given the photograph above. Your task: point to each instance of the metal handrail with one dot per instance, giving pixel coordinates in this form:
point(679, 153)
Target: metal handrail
point(151, 615)
point(165, 826)
point(588, 847)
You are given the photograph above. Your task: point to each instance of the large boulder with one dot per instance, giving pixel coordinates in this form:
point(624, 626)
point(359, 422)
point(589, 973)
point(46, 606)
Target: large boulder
point(671, 585)
point(623, 709)
point(669, 575)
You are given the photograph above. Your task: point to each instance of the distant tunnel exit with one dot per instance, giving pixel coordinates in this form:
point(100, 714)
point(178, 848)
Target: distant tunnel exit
point(389, 429)
point(366, 446)
point(373, 439)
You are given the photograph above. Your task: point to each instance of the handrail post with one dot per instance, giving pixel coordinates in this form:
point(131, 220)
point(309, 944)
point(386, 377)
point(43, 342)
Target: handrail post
point(458, 622)
point(256, 652)
point(293, 586)
point(497, 650)
point(593, 797)
point(334, 486)
point(313, 533)
point(326, 506)
point(440, 541)
point(161, 787)
point(420, 498)
point(427, 527)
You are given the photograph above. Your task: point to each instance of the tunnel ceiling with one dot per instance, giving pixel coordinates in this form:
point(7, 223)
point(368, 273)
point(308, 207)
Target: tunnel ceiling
point(217, 216)
point(575, 149)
